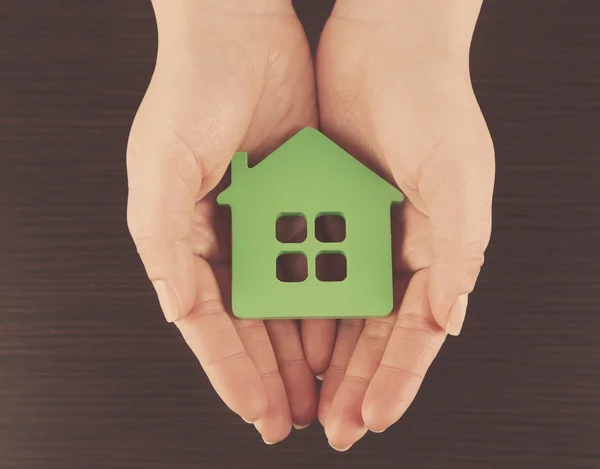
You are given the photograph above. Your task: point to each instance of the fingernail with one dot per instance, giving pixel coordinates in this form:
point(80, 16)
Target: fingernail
point(377, 431)
point(167, 299)
point(300, 427)
point(320, 377)
point(247, 421)
point(341, 450)
point(270, 443)
point(456, 316)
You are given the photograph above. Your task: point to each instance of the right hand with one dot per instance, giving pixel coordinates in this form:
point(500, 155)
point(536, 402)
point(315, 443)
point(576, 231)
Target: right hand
point(395, 90)
point(226, 79)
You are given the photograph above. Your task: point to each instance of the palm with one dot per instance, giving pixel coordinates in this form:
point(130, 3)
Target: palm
point(397, 118)
point(200, 108)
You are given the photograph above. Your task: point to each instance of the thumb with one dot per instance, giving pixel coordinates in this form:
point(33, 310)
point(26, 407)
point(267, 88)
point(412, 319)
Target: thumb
point(165, 178)
point(163, 184)
point(456, 187)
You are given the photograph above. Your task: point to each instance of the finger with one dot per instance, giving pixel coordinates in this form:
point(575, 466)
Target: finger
point(318, 335)
point(297, 378)
point(276, 423)
point(344, 425)
point(347, 335)
point(285, 336)
point(456, 185)
point(160, 204)
point(212, 337)
point(415, 341)
point(318, 338)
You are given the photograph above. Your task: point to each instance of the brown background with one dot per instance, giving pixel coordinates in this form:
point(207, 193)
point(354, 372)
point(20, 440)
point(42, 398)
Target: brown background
point(92, 377)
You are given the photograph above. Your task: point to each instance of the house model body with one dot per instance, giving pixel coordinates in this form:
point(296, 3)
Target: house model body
point(309, 177)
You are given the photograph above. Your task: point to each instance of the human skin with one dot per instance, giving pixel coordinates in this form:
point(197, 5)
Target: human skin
point(230, 74)
point(394, 89)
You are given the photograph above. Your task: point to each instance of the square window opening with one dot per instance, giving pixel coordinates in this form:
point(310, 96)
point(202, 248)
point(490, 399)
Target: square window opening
point(331, 267)
point(291, 228)
point(292, 267)
point(330, 228)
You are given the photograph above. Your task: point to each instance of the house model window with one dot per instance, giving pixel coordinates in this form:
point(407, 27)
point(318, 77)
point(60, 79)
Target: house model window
point(311, 233)
point(330, 265)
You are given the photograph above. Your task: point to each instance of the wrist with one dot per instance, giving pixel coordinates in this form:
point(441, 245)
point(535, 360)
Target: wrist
point(174, 17)
point(429, 28)
point(253, 7)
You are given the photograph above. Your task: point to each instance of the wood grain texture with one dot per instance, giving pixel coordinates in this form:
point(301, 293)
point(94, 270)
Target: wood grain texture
point(92, 377)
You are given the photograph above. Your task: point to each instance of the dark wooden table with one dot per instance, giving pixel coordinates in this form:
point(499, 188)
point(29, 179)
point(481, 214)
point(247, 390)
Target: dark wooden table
point(92, 377)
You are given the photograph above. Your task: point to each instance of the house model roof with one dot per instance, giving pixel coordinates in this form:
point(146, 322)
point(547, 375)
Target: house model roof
point(307, 162)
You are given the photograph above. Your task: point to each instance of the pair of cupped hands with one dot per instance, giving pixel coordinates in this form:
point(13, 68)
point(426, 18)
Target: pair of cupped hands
point(391, 85)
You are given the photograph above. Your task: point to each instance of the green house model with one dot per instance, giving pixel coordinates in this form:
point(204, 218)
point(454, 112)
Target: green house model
point(307, 180)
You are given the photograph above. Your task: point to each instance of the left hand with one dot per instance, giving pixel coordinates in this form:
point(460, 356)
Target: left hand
point(229, 76)
point(410, 114)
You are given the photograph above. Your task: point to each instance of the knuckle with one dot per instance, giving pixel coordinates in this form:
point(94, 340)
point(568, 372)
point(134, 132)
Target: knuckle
point(351, 327)
point(473, 259)
point(416, 323)
point(420, 345)
point(232, 355)
point(270, 375)
point(281, 332)
point(472, 266)
point(402, 371)
point(293, 362)
point(208, 315)
point(356, 378)
point(336, 367)
point(248, 324)
point(465, 261)
point(378, 330)
point(208, 306)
